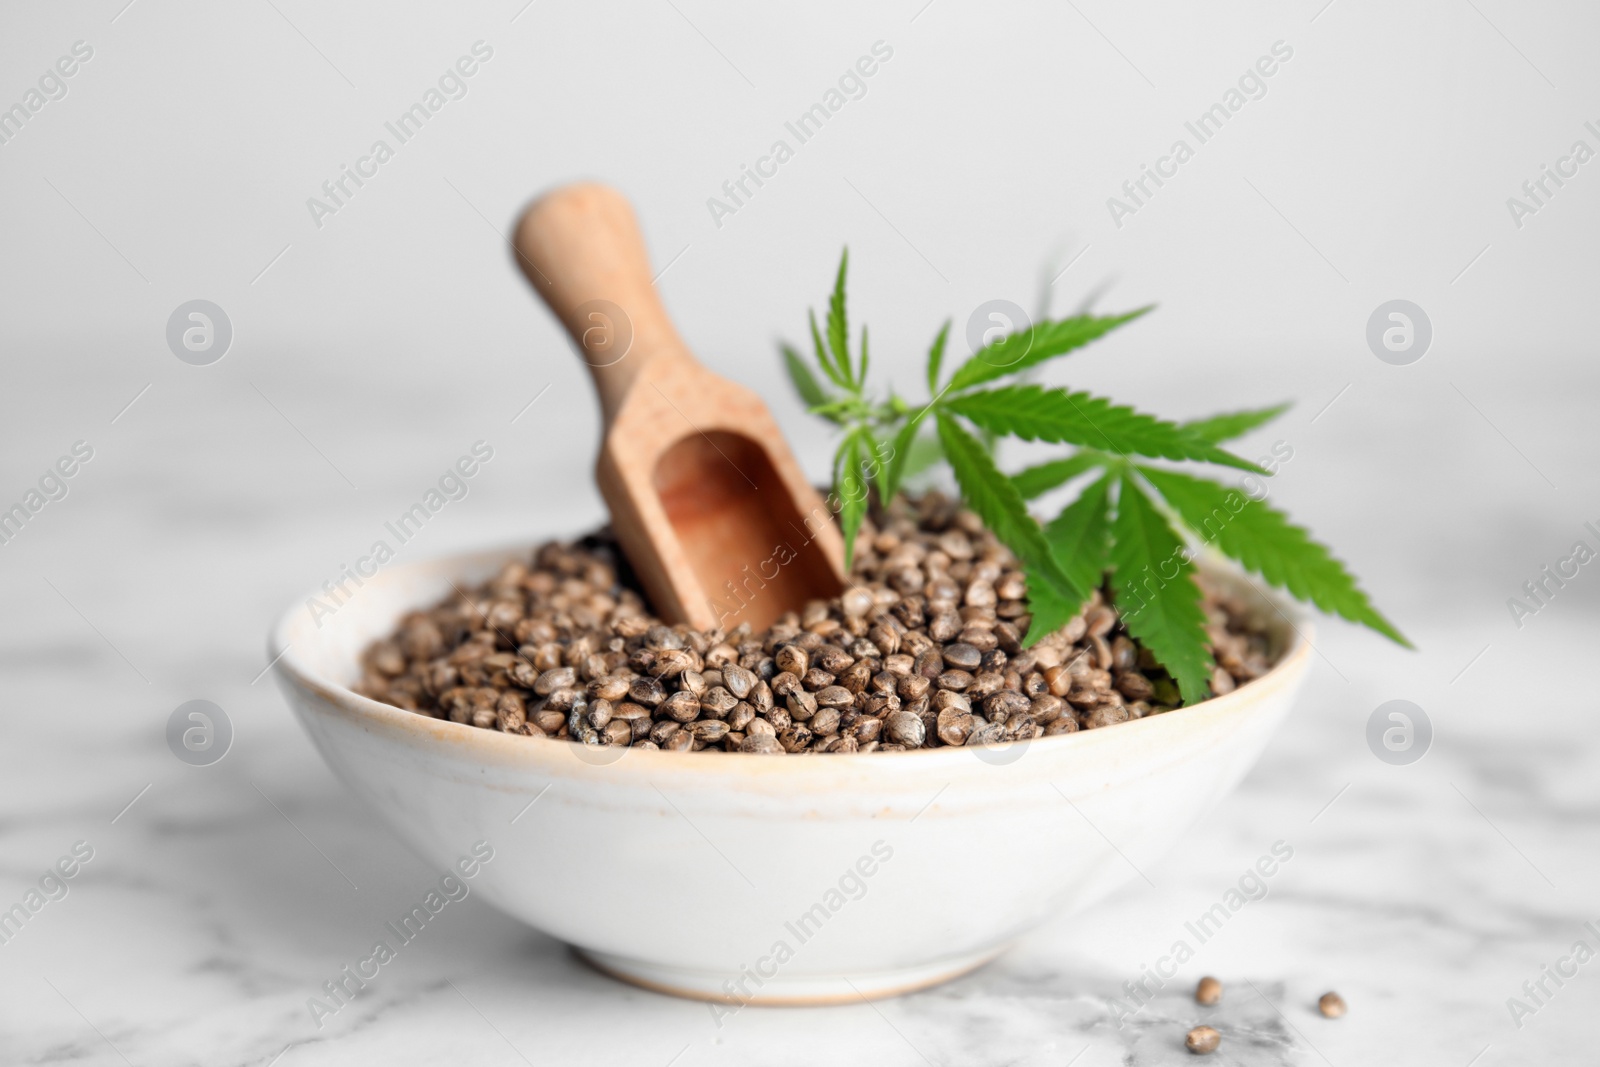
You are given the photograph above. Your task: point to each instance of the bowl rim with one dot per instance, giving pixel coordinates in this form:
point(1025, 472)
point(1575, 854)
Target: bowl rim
point(494, 748)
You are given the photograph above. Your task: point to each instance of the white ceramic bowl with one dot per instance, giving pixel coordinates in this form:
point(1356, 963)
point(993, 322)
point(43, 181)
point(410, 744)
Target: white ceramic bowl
point(772, 879)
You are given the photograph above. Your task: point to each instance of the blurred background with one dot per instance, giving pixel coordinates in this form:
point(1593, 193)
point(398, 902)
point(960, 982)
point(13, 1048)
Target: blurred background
point(373, 344)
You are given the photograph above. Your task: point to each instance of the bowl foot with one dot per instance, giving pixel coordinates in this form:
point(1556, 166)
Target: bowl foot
point(784, 990)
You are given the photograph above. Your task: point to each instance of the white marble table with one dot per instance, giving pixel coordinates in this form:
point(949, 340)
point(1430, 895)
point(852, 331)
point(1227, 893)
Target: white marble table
point(218, 899)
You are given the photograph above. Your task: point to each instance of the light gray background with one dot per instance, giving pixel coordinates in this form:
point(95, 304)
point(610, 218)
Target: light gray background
point(369, 353)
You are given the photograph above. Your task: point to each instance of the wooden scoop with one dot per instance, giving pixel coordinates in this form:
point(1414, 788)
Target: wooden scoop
point(706, 499)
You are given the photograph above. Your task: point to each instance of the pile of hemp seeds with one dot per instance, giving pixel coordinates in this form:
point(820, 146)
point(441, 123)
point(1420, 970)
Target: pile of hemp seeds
point(923, 651)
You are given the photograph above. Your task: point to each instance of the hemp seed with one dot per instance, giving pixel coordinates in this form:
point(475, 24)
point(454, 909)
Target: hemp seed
point(761, 744)
point(905, 728)
point(1202, 1040)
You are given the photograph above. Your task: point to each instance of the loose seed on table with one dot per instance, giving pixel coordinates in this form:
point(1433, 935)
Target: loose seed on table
point(1332, 1005)
point(1201, 1040)
point(1209, 991)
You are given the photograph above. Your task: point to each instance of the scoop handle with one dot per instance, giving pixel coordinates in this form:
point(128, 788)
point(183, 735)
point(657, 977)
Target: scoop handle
point(580, 248)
